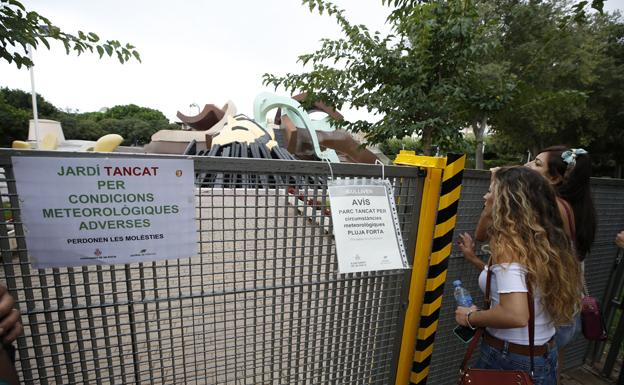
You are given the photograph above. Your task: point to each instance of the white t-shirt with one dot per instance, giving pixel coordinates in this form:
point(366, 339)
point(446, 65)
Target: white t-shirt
point(511, 278)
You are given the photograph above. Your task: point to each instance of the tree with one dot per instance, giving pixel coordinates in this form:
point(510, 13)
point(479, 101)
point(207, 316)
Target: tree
point(605, 101)
point(136, 124)
point(22, 28)
point(15, 111)
point(555, 59)
point(134, 111)
point(411, 78)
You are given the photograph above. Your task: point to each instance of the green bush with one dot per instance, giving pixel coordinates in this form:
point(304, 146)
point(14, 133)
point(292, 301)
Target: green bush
point(136, 124)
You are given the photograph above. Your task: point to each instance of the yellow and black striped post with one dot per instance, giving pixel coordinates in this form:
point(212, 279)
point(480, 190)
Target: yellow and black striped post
point(435, 243)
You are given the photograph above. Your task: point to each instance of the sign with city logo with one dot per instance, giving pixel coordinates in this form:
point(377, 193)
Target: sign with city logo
point(84, 211)
point(366, 226)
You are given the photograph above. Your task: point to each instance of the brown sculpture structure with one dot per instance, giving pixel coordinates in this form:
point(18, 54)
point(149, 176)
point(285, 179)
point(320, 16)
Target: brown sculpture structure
point(298, 142)
point(209, 121)
point(203, 121)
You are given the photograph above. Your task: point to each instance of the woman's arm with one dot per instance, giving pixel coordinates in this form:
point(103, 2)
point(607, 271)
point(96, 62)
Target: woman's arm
point(511, 312)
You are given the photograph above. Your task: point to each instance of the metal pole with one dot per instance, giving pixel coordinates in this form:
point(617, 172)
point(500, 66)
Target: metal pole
point(422, 252)
point(34, 96)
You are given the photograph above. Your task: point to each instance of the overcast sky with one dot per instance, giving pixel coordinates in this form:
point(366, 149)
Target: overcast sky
point(194, 51)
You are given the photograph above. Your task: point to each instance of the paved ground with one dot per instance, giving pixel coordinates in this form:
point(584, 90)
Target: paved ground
point(585, 375)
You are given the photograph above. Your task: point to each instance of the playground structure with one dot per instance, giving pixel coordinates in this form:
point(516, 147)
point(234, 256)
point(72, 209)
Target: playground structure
point(299, 137)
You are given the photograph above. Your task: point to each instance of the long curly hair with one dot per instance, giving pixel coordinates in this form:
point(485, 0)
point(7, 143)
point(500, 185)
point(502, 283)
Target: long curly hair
point(527, 229)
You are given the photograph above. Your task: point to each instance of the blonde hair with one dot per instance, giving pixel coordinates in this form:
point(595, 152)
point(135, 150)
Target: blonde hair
point(527, 229)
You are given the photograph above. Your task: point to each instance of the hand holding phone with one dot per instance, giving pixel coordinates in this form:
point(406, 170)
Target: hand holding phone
point(464, 333)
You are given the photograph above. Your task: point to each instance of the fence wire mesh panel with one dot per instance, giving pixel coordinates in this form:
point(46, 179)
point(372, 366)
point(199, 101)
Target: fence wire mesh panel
point(262, 302)
point(448, 350)
point(609, 201)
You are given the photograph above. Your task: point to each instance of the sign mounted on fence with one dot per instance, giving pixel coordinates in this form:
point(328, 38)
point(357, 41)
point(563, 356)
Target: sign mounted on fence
point(366, 226)
point(85, 211)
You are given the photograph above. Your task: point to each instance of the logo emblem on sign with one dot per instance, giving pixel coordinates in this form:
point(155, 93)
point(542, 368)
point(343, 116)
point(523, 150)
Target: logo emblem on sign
point(178, 173)
point(97, 252)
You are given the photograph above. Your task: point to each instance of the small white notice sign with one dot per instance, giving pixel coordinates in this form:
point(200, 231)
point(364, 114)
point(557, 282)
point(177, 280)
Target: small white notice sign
point(84, 211)
point(366, 227)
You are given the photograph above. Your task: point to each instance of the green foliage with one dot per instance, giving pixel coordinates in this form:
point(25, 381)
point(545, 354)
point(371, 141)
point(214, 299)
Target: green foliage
point(15, 111)
point(134, 111)
point(134, 123)
point(411, 79)
point(20, 28)
point(6, 211)
point(133, 130)
point(552, 59)
point(570, 82)
point(604, 127)
point(536, 73)
point(391, 147)
point(498, 153)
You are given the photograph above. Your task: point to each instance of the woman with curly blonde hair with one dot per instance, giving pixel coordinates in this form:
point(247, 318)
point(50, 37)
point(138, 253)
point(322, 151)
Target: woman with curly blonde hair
point(529, 248)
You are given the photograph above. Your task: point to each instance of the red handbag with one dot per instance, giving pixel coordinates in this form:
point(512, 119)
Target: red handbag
point(491, 376)
point(591, 318)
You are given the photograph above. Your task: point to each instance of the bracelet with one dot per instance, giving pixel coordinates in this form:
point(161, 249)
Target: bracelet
point(468, 320)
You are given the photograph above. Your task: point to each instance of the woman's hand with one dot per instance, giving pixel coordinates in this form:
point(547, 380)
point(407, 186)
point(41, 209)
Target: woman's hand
point(461, 314)
point(10, 323)
point(467, 247)
point(619, 240)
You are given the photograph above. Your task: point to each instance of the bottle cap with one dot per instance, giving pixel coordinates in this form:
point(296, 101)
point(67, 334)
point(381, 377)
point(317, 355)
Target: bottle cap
point(457, 282)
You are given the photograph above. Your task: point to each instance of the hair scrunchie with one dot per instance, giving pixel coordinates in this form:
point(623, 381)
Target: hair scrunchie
point(569, 156)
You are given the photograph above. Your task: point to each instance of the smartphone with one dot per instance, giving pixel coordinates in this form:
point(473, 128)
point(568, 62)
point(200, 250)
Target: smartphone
point(464, 333)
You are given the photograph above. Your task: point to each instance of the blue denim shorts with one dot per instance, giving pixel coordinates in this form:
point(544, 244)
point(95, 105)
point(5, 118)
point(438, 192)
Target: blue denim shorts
point(545, 366)
point(567, 333)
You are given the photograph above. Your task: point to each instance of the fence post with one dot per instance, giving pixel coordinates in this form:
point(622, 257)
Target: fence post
point(426, 223)
point(433, 248)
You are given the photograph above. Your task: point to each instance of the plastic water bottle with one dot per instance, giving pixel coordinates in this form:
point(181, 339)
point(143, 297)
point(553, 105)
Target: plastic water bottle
point(462, 296)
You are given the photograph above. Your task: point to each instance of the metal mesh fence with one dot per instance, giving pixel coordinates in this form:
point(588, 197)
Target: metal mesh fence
point(262, 302)
point(448, 350)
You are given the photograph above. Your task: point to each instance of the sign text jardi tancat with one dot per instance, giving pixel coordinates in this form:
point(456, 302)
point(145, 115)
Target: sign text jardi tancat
point(79, 211)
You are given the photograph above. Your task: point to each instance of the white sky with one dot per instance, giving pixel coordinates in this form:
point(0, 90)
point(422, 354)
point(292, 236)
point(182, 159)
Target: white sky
point(193, 51)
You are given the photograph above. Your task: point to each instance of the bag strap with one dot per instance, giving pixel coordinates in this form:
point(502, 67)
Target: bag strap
point(480, 331)
point(531, 325)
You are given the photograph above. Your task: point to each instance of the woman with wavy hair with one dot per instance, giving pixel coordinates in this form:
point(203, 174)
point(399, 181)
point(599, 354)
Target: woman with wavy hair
point(529, 248)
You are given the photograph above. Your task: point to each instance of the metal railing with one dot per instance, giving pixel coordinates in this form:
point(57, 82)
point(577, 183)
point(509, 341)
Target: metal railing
point(262, 302)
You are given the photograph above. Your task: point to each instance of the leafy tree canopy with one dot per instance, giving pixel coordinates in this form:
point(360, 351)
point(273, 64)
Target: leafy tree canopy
point(136, 124)
point(410, 78)
point(20, 28)
point(442, 69)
